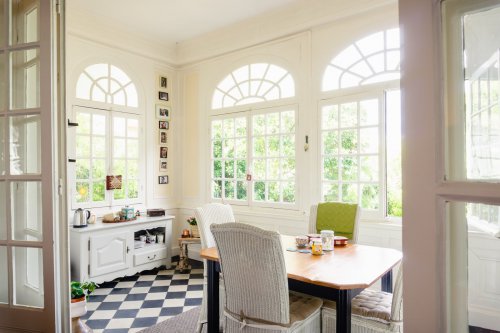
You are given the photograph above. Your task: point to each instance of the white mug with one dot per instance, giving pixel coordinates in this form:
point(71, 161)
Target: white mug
point(142, 238)
point(159, 238)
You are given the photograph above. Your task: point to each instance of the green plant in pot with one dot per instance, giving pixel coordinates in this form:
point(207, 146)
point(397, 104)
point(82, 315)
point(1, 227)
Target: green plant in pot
point(194, 226)
point(79, 294)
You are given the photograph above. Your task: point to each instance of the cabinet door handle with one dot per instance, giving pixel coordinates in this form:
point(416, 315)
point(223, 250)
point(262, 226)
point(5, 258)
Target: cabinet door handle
point(152, 258)
point(128, 249)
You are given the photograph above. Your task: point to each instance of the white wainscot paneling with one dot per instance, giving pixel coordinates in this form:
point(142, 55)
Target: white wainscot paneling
point(484, 281)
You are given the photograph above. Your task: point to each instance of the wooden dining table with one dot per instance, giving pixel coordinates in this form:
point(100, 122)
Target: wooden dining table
point(338, 275)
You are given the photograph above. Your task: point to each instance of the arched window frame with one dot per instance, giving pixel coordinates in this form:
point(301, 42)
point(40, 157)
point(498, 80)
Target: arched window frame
point(251, 108)
point(122, 129)
point(366, 89)
point(106, 83)
point(362, 63)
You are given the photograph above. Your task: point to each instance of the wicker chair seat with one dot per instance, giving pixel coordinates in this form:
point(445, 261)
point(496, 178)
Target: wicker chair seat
point(369, 303)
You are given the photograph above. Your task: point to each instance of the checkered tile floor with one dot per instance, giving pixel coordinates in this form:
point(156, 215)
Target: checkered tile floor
point(132, 303)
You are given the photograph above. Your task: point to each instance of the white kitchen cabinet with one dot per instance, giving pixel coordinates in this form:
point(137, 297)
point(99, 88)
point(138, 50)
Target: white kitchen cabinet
point(105, 251)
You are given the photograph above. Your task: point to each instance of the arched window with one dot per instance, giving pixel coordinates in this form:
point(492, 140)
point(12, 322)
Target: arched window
point(106, 142)
point(107, 84)
point(360, 133)
point(253, 153)
point(375, 58)
point(252, 84)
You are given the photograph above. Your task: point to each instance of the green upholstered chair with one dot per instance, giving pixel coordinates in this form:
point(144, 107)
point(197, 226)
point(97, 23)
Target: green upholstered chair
point(340, 217)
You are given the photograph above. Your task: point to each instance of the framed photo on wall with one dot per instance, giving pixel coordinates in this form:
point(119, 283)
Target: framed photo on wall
point(163, 152)
point(162, 137)
point(163, 125)
point(162, 112)
point(162, 82)
point(163, 165)
point(162, 179)
point(163, 96)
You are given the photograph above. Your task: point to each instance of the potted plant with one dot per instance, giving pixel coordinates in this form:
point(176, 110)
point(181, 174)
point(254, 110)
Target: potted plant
point(79, 294)
point(194, 226)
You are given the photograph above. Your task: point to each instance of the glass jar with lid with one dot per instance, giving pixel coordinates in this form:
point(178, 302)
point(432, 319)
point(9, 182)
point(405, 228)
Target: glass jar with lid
point(327, 237)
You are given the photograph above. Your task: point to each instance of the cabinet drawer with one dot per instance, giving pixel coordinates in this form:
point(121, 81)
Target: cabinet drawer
point(145, 256)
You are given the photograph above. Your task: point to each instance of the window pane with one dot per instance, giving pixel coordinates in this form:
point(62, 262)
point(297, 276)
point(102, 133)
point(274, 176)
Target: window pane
point(25, 79)
point(82, 169)
point(482, 128)
point(289, 192)
point(229, 190)
point(98, 146)
point(474, 264)
point(330, 142)
point(241, 190)
point(330, 192)
point(259, 147)
point(28, 276)
point(82, 146)
point(4, 285)
point(259, 191)
point(330, 117)
point(348, 115)
point(217, 149)
point(24, 20)
point(98, 191)
point(349, 142)
point(133, 189)
point(217, 189)
point(350, 193)
point(370, 196)
point(369, 140)
point(330, 168)
point(349, 168)
point(217, 171)
point(26, 208)
point(82, 192)
point(229, 169)
point(98, 169)
point(25, 137)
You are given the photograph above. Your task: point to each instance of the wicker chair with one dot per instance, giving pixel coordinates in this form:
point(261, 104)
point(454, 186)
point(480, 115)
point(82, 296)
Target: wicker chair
point(256, 284)
point(206, 216)
point(337, 208)
point(372, 311)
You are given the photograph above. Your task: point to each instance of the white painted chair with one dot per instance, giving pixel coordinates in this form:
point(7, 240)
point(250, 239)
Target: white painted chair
point(372, 311)
point(313, 221)
point(207, 215)
point(256, 285)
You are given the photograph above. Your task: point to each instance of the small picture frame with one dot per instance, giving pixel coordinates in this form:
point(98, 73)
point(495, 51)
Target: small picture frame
point(163, 96)
point(162, 112)
point(162, 137)
point(162, 179)
point(163, 152)
point(162, 82)
point(163, 125)
point(163, 165)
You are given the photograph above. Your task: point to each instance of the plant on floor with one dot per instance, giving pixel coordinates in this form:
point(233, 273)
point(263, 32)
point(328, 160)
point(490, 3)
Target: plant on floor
point(81, 290)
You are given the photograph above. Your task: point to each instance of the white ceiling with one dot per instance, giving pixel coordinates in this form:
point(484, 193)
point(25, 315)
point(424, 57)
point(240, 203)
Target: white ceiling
point(171, 21)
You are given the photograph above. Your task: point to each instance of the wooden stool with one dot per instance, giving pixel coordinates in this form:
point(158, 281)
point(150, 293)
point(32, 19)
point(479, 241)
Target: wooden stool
point(183, 264)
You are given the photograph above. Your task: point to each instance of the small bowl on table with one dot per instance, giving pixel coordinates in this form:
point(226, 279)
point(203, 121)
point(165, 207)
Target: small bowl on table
point(340, 240)
point(301, 241)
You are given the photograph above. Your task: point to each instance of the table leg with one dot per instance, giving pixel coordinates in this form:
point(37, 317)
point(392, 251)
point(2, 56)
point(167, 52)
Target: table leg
point(212, 297)
point(387, 282)
point(344, 311)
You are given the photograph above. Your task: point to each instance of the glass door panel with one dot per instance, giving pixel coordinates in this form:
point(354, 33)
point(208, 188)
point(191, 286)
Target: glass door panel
point(475, 267)
point(25, 79)
point(28, 276)
point(3, 222)
point(4, 285)
point(25, 141)
point(26, 211)
point(24, 17)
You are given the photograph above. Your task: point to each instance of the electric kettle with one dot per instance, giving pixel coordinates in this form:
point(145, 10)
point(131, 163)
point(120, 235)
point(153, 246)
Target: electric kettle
point(81, 218)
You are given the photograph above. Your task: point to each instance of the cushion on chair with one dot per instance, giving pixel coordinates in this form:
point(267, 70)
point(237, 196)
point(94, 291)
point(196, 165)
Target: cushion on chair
point(302, 306)
point(369, 303)
point(337, 216)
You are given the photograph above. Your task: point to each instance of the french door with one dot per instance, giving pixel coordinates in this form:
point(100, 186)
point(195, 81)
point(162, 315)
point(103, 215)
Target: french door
point(27, 155)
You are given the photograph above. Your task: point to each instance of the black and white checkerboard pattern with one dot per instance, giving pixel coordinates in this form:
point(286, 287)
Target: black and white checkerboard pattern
point(132, 303)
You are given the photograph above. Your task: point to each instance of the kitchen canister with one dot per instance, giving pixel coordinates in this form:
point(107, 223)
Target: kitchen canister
point(327, 237)
point(317, 247)
point(128, 213)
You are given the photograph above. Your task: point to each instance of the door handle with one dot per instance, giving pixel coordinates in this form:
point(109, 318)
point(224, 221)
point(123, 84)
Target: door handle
point(128, 249)
point(152, 258)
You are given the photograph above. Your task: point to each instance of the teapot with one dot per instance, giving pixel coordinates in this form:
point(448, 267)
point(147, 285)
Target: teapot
point(81, 218)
